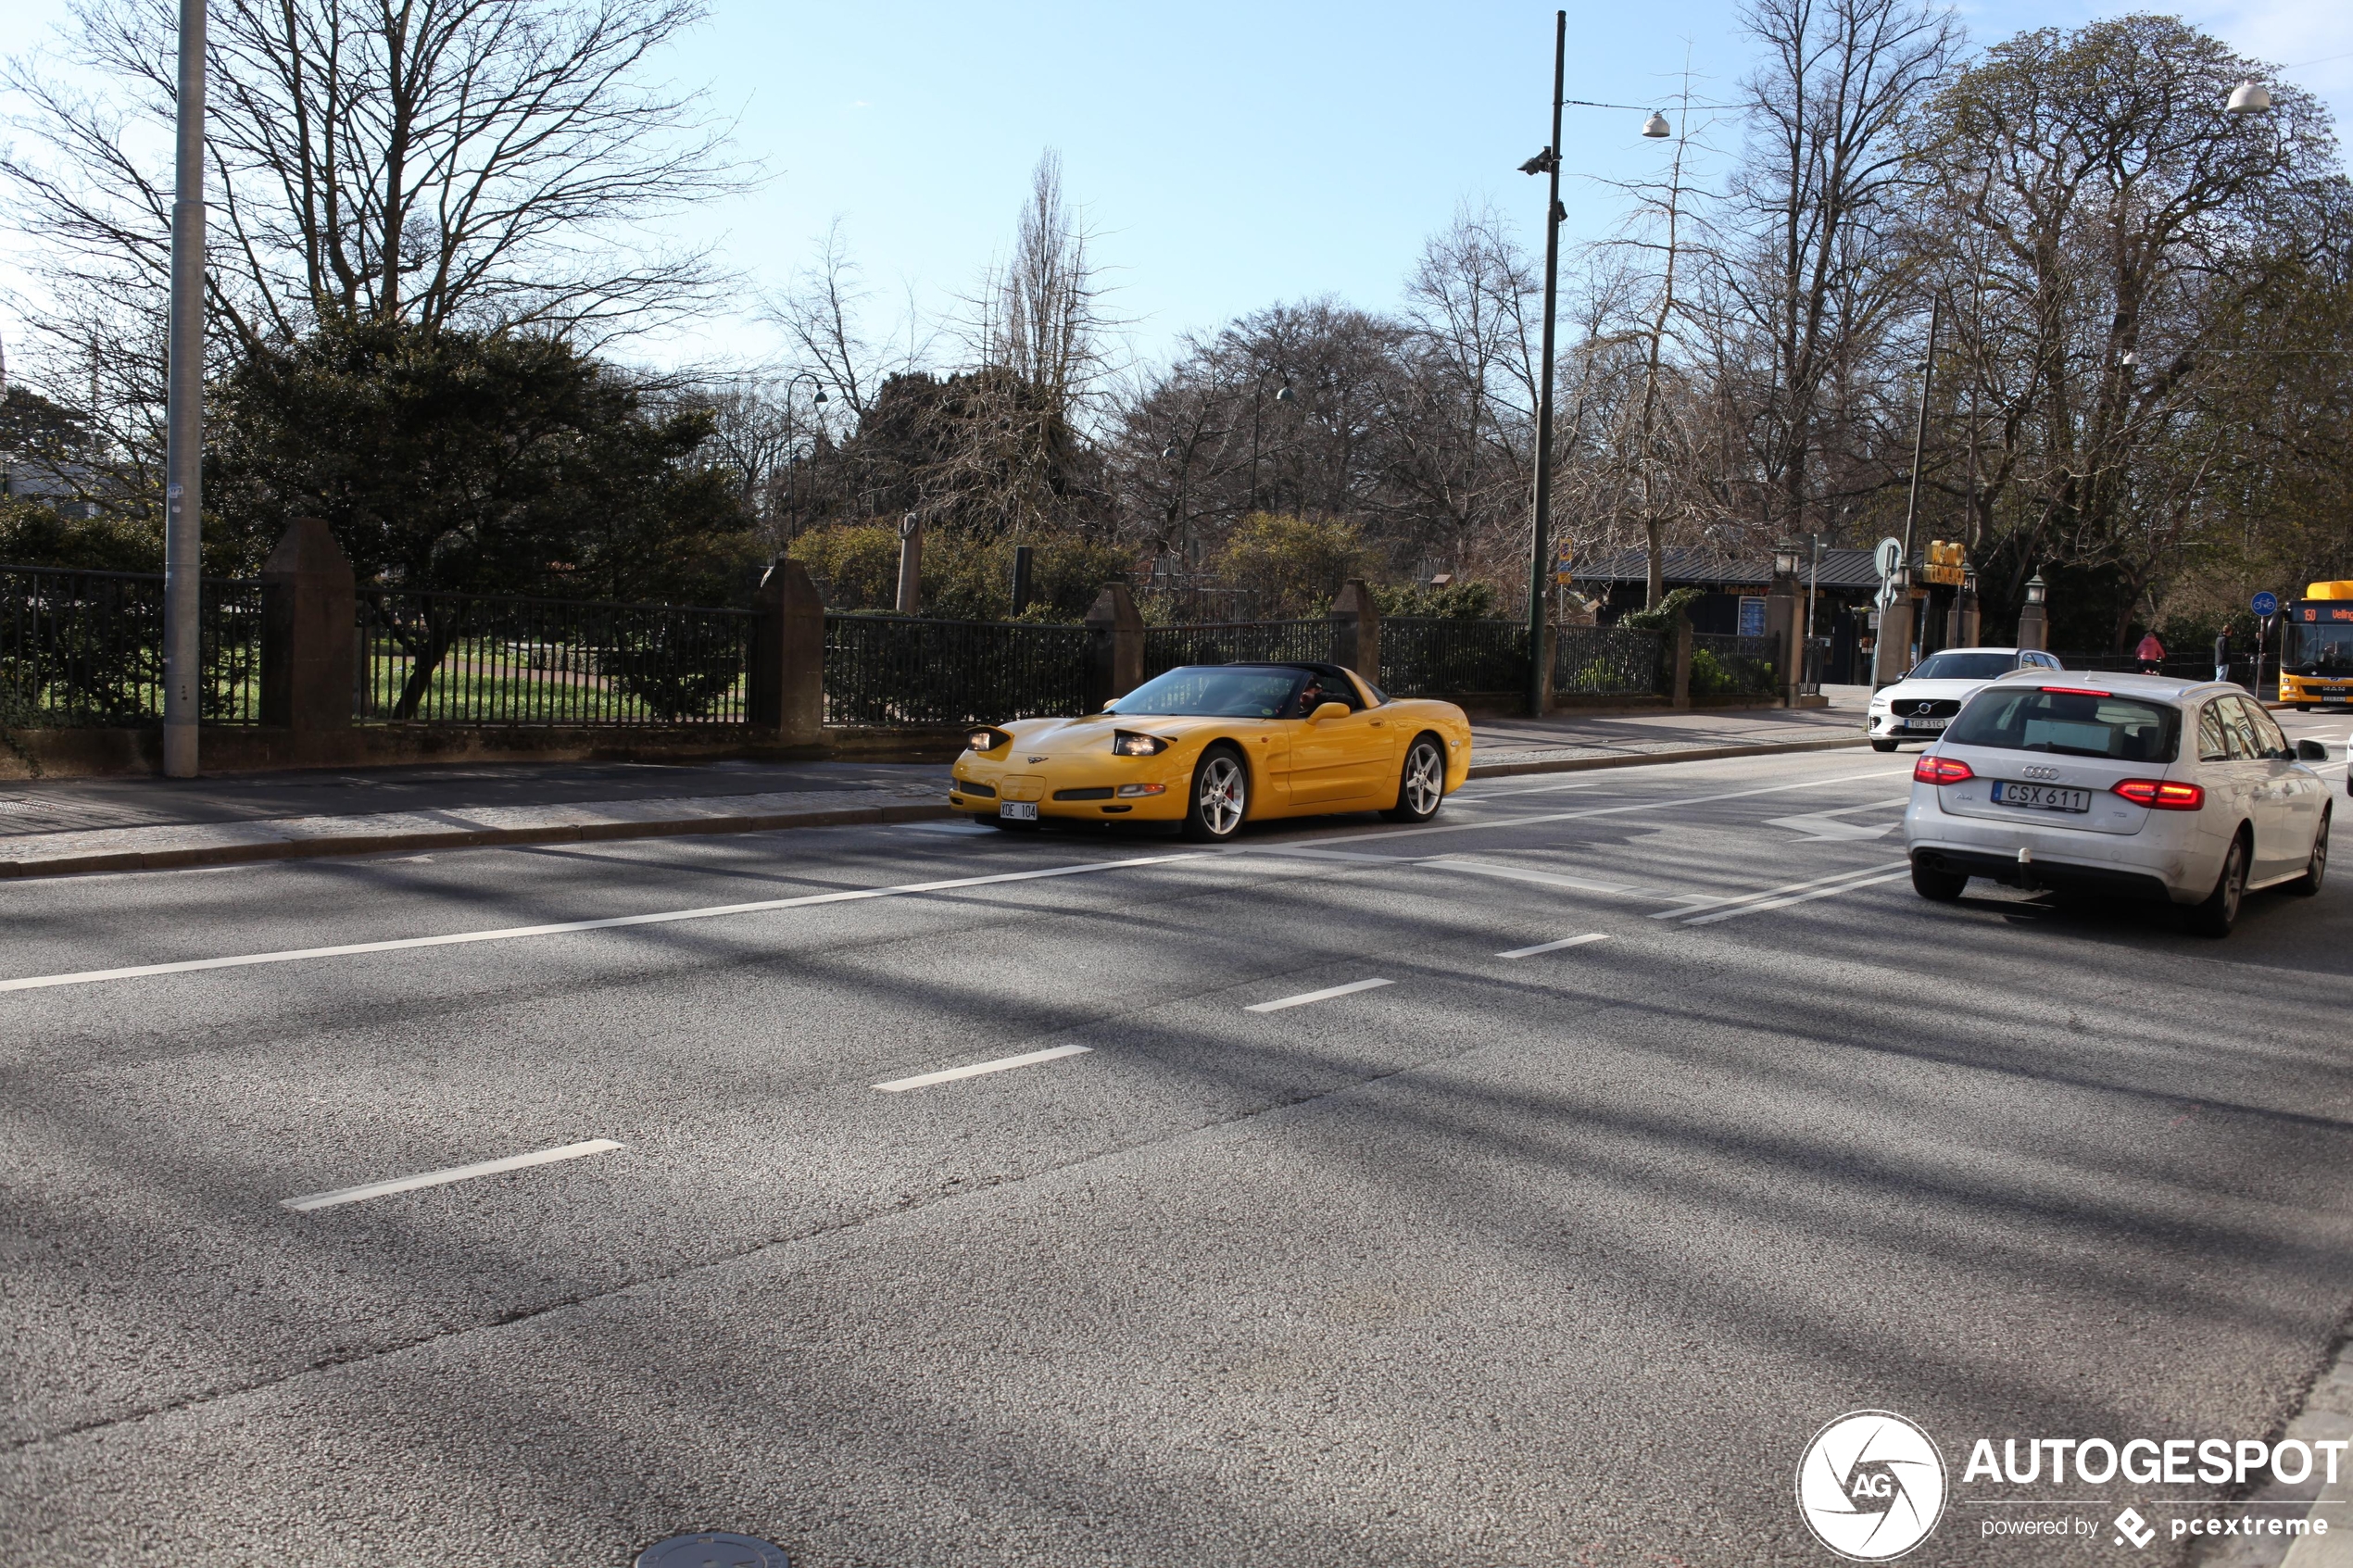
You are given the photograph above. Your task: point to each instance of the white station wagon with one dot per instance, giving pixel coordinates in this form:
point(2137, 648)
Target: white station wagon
point(2132, 785)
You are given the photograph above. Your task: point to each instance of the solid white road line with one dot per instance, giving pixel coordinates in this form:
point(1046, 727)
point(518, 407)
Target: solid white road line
point(1775, 892)
point(509, 933)
point(1324, 995)
point(1797, 899)
point(1555, 947)
point(900, 1085)
point(454, 1173)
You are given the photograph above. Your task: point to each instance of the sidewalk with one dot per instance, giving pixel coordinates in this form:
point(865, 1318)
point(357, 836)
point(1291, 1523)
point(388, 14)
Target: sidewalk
point(81, 825)
point(1564, 741)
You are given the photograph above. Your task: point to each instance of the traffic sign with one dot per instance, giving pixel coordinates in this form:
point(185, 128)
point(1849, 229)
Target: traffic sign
point(2267, 603)
point(1889, 555)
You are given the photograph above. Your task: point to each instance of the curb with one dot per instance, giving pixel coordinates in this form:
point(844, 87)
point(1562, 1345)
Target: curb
point(461, 838)
point(1691, 753)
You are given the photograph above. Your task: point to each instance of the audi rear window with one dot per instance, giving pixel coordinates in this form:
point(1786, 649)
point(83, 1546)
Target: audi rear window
point(2121, 729)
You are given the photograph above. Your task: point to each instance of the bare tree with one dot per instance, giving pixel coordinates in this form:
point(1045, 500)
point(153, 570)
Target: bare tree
point(1818, 199)
point(484, 162)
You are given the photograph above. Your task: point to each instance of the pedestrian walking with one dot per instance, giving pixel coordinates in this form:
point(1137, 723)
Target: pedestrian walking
point(2223, 654)
point(2151, 653)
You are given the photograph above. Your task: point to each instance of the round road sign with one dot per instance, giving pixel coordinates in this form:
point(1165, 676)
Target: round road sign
point(1888, 557)
point(2267, 604)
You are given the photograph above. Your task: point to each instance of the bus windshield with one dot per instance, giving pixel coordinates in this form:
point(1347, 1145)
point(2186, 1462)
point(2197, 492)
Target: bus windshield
point(2321, 645)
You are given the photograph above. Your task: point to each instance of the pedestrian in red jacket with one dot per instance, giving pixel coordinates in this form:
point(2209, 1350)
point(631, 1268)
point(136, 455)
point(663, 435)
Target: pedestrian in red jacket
point(2151, 653)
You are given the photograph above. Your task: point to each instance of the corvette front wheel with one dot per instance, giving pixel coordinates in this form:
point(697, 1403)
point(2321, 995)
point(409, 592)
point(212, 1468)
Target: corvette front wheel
point(1220, 795)
point(1421, 783)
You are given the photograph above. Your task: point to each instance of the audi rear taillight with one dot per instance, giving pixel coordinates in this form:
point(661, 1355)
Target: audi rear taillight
point(2075, 691)
point(1934, 769)
point(2161, 795)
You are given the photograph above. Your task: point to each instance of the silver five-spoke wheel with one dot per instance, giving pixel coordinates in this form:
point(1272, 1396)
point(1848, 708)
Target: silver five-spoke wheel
point(1421, 784)
point(1221, 795)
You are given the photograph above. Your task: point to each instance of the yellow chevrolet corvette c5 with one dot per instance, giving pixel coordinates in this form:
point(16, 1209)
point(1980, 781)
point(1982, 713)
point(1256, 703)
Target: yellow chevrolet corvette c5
point(1213, 745)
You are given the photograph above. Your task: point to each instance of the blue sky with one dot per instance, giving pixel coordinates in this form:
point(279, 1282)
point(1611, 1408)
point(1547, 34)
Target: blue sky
point(1228, 154)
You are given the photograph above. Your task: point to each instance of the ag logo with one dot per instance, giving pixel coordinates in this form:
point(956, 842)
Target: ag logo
point(1871, 1485)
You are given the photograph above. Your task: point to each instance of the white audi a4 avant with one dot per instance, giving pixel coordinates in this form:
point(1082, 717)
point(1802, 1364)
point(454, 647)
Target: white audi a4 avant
point(2132, 785)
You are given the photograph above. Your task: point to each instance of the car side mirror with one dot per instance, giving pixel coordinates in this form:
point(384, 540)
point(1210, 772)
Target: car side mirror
point(1328, 711)
point(2311, 751)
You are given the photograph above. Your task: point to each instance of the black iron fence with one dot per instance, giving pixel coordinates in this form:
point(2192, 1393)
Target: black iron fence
point(1733, 666)
point(1436, 656)
point(902, 670)
point(479, 658)
point(1724, 666)
point(1235, 642)
point(85, 648)
point(1610, 661)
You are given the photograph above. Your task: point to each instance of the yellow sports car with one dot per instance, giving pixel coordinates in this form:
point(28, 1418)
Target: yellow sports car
point(1213, 746)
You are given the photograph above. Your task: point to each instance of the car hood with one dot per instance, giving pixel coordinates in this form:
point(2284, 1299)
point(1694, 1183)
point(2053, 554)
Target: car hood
point(1914, 690)
point(1064, 737)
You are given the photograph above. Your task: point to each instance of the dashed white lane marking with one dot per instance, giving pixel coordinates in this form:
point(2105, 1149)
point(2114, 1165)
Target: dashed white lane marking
point(1775, 892)
point(1555, 947)
point(1003, 1064)
point(454, 1173)
point(1324, 995)
point(509, 934)
point(1797, 899)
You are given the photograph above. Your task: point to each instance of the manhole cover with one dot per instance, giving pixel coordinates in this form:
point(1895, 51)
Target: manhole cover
point(715, 1549)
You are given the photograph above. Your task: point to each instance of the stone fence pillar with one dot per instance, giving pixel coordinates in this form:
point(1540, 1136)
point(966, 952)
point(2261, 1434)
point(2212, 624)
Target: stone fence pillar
point(1356, 631)
point(1114, 646)
point(1961, 620)
point(2034, 622)
point(309, 631)
point(1785, 629)
point(787, 684)
point(1892, 653)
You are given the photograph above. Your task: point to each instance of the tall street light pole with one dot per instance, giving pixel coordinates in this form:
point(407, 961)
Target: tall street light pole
point(183, 415)
point(1548, 163)
point(1540, 547)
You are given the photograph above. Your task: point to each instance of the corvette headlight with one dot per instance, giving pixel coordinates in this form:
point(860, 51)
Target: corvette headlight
point(986, 740)
point(1131, 791)
point(1133, 742)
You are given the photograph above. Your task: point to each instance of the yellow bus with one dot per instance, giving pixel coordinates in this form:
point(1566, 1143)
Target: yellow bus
point(2316, 648)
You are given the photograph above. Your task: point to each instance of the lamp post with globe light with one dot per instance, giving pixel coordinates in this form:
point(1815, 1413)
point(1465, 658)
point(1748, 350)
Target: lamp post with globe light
point(1548, 163)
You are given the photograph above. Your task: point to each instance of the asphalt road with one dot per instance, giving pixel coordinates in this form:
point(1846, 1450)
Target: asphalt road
point(1553, 1259)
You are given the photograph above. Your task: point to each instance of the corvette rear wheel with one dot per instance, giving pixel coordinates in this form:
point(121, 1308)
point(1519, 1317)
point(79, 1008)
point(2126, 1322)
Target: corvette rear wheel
point(1220, 795)
point(1421, 783)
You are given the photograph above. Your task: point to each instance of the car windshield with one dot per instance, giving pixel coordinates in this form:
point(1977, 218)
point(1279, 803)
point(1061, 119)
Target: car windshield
point(2319, 647)
point(1963, 666)
point(1213, 690)
point(2071, 723)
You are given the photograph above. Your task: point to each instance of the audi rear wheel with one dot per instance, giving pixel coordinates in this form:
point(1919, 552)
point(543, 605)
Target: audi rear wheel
point(1421, 783)
point(1220, 795)
point(2317, 867)
point(2221, 910)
